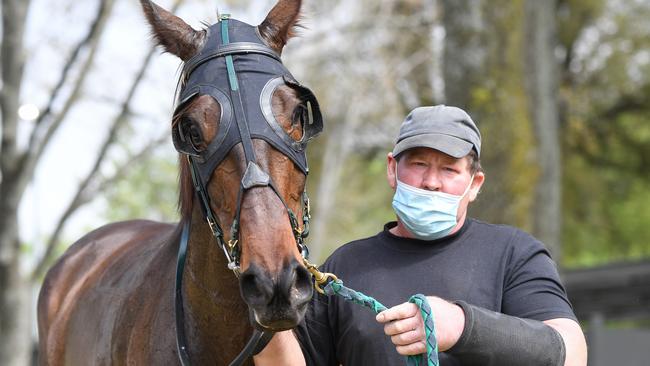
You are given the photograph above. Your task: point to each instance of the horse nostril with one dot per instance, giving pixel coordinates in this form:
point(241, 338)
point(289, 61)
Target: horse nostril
point(294, 284)
point(293, 287)
point(256, 289)
point(303, 283)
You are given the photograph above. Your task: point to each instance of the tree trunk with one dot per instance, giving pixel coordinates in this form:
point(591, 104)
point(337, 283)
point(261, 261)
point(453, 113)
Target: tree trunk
point(15, 340)
point(465, 49)
point(15, 316)
point(543, 90)
point(484, 74)
point(17, 165)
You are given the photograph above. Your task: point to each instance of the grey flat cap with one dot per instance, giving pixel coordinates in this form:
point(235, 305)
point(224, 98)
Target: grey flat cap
point(444, 128)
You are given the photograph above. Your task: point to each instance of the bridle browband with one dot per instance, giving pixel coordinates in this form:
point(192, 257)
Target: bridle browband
point(203, 74)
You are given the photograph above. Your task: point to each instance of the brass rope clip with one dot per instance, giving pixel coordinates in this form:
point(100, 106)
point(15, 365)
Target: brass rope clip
point(298, 230)
point(232, 243)
point(321, 278)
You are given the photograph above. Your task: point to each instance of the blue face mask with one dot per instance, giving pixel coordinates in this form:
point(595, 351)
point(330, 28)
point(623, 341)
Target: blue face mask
point(428, 215)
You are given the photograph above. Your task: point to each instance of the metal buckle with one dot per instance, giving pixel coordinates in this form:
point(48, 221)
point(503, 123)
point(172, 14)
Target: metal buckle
point(232, 243)
point(213, 226)
point(321, 279)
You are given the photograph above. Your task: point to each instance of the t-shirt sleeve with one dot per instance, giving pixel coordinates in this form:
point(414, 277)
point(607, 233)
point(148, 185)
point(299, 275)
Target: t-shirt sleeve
point(315, 335)
point(532, 287)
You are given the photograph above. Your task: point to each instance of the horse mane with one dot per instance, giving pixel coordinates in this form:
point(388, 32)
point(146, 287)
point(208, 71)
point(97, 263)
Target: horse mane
point(186, 189)
point(185, 184)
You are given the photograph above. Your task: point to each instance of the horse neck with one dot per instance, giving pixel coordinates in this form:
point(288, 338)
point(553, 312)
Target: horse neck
point(216, 317)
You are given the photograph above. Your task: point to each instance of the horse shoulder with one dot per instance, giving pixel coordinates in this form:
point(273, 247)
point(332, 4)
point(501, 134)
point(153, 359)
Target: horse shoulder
point(97, 277)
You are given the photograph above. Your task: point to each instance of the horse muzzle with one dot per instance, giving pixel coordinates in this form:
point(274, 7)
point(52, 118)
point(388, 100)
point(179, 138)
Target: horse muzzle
point(276, 302)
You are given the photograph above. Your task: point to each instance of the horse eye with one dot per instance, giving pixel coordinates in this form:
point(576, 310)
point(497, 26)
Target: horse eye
point(193, 133)
point(300, 115)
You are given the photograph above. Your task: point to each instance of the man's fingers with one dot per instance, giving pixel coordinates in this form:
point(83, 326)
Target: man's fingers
point(412, 349)
point(407, 338)
point(402, 326)
point(405, 310)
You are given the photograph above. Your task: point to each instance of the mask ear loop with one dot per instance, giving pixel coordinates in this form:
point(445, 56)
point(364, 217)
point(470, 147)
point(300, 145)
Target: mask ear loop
point(397, 181)
point(471, 180)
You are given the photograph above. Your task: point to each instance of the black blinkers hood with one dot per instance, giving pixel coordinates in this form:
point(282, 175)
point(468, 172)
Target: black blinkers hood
point(258, 71)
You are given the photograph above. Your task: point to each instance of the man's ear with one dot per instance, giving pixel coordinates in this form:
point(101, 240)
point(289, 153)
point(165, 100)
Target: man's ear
point(391, 164)
point(477, 183)
point(280, 24)
point(171, 32)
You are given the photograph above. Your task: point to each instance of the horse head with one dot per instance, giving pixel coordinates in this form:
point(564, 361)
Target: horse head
point(241, 125)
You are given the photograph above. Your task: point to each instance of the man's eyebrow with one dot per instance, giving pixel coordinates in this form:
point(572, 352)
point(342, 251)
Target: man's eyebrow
point(450, 159)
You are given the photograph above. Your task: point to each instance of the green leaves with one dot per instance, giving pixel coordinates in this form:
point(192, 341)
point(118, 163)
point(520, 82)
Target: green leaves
point(148, 191)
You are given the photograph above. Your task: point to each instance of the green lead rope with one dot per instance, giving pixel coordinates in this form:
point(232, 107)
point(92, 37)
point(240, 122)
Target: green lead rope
point(336, 288)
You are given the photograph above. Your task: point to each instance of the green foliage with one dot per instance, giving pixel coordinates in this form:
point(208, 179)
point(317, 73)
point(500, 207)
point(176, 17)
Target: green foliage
point(363, 202)
point(574, 16)
point(607, 134)
point(499, 106)
point(149, 191)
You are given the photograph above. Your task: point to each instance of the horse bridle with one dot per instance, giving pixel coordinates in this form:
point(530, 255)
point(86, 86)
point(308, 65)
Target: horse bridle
point(260, 69)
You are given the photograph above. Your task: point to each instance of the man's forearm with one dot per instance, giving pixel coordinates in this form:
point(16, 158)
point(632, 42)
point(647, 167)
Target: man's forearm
point(491, 338)
point(574, 340)
point(283, 349)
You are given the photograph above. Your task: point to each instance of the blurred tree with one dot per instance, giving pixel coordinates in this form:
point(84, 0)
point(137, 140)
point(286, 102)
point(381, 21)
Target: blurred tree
point(369, 62)
point(485, 73)
point(18, 161)
point(14, 345)
point(606, 103)
point(145, 191)
point(542, 80)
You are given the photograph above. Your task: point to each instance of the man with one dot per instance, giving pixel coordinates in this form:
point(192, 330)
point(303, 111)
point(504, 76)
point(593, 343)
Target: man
point(494, 291)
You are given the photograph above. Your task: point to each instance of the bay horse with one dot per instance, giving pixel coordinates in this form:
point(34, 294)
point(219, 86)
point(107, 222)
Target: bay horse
point(150, 293)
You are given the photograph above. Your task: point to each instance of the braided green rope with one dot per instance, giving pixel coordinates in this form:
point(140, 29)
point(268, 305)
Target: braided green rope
point(337, 288)
point(429, 330)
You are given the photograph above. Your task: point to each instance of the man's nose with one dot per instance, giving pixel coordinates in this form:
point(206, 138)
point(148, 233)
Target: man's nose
point(431, 180)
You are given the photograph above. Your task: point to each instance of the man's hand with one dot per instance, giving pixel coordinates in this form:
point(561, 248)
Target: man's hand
point(404, 324)
point(283, 349)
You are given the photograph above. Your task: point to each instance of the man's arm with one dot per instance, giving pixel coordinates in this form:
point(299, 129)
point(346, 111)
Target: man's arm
point(283, 349)
point(403, 323)
point(574, 340)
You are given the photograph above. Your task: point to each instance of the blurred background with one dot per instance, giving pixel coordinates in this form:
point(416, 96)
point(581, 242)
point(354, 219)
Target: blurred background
point(559, 88)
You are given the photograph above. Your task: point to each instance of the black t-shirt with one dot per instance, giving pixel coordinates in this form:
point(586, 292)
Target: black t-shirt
point(496, 267)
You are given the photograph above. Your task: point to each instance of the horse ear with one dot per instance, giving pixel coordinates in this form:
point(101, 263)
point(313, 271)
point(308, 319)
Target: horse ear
point(171, 32)
point(280, 23)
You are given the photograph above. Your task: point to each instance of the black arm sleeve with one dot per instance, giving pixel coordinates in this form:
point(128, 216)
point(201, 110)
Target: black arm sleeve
point(492, 339)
